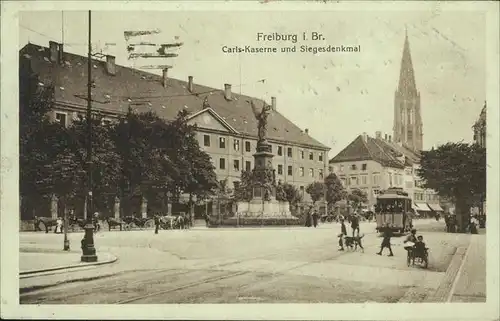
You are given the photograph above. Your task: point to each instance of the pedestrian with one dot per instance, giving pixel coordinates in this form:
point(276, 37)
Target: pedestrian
point(207, 220)
point(59, 225)
point(355, 224)
point(386, 241)
point(343, 232)
point(315, 218)
point(308, 218)
point(157, 223)
point(96, 222)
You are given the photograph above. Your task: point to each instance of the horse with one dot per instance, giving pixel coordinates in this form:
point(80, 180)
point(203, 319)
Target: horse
point(112, 222)
point(47, 222)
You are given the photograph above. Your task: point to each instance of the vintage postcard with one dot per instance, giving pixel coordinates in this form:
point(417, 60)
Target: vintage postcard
point(250, 160)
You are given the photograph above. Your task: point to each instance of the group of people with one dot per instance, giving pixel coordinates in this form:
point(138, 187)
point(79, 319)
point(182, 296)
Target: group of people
point(354, 220)
point(472, 226)
point(312, 217)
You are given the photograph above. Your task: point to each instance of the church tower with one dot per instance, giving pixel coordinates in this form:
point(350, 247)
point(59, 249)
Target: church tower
point(407, 117)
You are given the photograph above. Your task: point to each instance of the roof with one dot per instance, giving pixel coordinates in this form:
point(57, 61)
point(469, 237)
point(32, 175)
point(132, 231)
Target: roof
point(144, 91)
point(369, 149)
point(411, 157)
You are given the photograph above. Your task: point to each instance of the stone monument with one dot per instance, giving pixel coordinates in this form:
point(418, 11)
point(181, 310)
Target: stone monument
point(263, 204)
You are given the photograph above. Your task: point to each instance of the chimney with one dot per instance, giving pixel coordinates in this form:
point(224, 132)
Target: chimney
point(307, 130)
point(53, 46)
point(273, 103)
point(110, 65)
point(190, 83)
point(227, 91)
point(385, 137)
point(61, 54)
point(165, 77)
point(389, 138)
point(378, 135)
point(364, 136)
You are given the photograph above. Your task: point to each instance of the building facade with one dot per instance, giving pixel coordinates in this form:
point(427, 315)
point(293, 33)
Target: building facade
point(372, 164)
point(226, 125)
point(479, 128)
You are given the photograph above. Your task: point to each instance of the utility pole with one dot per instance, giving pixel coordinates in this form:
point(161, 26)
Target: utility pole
point(88, 249)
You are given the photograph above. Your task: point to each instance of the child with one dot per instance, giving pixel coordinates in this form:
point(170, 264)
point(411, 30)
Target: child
point(420, 247)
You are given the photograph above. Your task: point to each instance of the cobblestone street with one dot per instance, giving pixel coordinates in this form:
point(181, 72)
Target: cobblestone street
point(267, 265)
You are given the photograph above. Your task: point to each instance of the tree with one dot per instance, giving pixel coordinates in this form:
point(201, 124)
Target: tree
point(106, 161)
point(293, 195)
point(456, 171)
point(334, 190)
point(243, 190)
point(316, 190)
point(357, 197)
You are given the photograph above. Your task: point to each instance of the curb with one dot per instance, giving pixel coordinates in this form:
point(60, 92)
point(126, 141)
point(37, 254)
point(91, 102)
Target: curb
point(443, 291)
point(111, 259)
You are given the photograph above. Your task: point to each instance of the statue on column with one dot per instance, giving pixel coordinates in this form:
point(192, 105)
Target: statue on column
point(261, 117)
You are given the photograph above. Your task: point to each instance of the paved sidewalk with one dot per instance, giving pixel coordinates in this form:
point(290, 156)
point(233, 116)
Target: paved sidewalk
point(471, 283)
point(38, 260)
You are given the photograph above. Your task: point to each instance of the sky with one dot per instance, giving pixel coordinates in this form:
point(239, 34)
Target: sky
point(337, 96)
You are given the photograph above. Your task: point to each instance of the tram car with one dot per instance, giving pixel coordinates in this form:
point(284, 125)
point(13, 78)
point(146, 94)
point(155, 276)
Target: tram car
point(394, 206)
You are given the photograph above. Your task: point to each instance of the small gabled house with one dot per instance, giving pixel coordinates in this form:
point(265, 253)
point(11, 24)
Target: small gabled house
point(373, 164)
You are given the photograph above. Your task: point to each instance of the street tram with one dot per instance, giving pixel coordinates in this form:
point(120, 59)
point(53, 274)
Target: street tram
point(394, 206)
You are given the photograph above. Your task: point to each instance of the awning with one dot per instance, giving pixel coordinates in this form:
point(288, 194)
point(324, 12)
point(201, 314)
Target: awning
point(435, 207)
point(422, 207)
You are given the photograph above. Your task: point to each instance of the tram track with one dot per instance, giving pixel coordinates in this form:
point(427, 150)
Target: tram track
point(145, 278)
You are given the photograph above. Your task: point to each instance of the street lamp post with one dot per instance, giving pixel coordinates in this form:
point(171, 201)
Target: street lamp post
point(66, 241)
point(88, 249)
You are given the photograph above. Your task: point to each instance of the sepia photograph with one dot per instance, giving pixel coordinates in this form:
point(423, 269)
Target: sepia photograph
point(302, 154)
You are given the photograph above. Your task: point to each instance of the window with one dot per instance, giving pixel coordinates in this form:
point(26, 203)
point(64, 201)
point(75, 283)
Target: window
point(222, 163)
point(280, 151)
point(301, 154)
point(236, 144)
point(390, 179)
point(343, 181)
point(354, 180)
point(330, 169)
point(280, 169)
point(301, 188)
point(311, 172)
point(341, 168)
point(290, 170)
point(348, 181)
point(363, 167)
point(311, 156)
point(320, 157)
point(320, 173)
point(222, 142)
point(247, 147)
point(289, 152)
point(353, 167)
point(301, 171)
point(364, 179)
point(248, 165)
point(206, 140)
point(376, 179)
point(376, 192)
point(236, 165)
point(61, 119)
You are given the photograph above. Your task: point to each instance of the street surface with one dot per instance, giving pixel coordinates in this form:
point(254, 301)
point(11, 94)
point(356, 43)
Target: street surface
point(257, 265)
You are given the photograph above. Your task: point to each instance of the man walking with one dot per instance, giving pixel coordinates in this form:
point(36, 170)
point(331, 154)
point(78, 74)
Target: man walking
point(315, 218)
point(386, 242)
point(157, 223)
point(343, 232)
point(355, 224)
